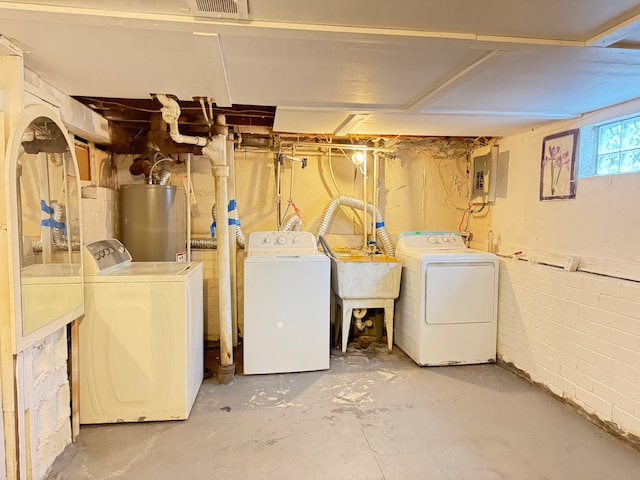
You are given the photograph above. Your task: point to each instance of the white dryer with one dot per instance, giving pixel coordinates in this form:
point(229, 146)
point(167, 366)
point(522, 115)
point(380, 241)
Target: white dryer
point(447, 308)
point(141, 339)
point(287, 284)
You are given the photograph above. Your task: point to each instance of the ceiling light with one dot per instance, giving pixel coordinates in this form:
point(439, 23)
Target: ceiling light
point(358, 158)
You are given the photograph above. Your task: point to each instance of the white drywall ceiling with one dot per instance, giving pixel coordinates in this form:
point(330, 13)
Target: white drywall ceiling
point(419, 67)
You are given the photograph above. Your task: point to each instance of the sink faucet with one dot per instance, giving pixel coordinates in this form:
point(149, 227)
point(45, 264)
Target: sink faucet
point(371, 247)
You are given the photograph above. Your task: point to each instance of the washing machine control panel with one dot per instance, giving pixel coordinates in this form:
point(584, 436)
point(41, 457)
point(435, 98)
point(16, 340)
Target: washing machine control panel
point(432, 240)
point(105, 255)
point(281, 243)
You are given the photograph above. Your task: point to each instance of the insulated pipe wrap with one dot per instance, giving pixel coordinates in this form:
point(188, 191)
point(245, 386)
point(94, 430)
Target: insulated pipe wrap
point(344, 201)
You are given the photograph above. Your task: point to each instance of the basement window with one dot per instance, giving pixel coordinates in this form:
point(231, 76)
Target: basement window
point(610, 148)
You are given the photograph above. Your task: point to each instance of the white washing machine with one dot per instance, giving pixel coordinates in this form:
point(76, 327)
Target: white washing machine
point(287, 284)
point(448, 305)
point(141, 339)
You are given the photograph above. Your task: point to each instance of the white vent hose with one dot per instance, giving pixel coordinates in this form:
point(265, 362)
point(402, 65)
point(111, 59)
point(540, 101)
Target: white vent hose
point(291, 223)
point(341, 200)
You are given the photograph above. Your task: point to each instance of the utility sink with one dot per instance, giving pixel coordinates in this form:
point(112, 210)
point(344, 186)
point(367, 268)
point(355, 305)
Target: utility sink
point(361, 281)
point(365, 276)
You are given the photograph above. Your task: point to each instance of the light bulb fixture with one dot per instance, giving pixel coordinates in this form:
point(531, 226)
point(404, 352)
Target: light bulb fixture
point(358, 158)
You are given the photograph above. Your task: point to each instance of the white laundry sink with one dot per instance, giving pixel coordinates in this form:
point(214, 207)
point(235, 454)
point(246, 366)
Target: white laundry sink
point(365, 276)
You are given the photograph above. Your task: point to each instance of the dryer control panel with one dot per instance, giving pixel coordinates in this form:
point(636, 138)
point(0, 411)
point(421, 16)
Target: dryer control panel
point(105, 256)
point(432, 240)
point(282, 243)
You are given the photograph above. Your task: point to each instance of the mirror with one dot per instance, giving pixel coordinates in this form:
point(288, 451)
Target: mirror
point(46, 233)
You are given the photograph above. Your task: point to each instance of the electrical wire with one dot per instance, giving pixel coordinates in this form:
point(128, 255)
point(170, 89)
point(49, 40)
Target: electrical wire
point(468, 212)
point(354, 218)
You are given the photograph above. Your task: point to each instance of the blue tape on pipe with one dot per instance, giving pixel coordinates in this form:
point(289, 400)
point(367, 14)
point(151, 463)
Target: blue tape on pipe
point(212, 229)
point(234, 221)
point(232, 205)
point(45, 208)
point(379, 224)
point(50, 222)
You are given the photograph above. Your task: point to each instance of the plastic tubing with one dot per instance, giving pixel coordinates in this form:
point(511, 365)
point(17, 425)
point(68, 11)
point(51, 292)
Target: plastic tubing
point(292, 222)
point(344, 201)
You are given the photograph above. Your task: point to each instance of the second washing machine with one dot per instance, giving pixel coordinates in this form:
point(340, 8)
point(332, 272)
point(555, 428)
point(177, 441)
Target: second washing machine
point(287, 284)
point(141, 339)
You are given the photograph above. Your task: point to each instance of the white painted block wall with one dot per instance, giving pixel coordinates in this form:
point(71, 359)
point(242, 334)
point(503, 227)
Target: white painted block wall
point(48, 400)
point(576, 333)
point(100, 207)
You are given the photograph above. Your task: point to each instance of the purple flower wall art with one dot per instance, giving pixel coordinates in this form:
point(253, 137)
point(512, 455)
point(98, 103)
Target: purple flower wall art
point(557, 180)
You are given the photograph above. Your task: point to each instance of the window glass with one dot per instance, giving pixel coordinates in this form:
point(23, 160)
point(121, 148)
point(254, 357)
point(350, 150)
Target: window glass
point(608, 164)
point(610, 148)
point(609, 138)
point(630, 161)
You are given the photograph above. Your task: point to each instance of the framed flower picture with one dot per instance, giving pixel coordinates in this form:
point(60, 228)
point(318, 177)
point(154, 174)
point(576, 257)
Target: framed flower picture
point(557, 171)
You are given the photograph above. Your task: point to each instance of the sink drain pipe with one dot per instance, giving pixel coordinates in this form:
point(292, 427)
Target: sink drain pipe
point(215, 149)
point(341, 200)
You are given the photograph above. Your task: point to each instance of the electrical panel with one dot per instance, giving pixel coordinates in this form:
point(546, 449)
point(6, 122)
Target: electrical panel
point(483, 179)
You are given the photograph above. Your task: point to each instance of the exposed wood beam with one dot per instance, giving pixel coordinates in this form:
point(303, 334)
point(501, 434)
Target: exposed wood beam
point(616, 33)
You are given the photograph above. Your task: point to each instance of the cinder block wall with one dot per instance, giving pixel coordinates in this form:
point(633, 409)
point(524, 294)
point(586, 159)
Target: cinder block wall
point(100, 207)
point(576, 333)
point(46, 363)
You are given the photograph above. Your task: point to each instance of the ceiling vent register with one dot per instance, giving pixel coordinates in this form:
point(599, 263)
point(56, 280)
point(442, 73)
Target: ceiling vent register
point(234, 9)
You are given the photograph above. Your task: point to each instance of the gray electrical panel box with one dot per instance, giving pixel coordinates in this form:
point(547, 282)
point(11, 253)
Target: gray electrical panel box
point(483, 179)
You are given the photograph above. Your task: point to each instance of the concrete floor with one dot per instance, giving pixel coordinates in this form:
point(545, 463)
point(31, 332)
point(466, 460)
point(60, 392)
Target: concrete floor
point(374, 415)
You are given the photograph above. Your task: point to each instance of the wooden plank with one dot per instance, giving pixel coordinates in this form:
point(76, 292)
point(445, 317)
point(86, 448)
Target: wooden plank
point(7, 359)
point(598, 266)
point(75, 380)
point(84, 164)
point(28, 448)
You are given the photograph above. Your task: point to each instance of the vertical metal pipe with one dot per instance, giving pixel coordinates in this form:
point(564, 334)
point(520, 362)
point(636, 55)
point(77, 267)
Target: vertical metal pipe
point(215, 150)
point(66, 206)
point(364, 194)
point(374, 201)
point(231, 187)
point(45, 231)
point(278, 191)
point(188, 194)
